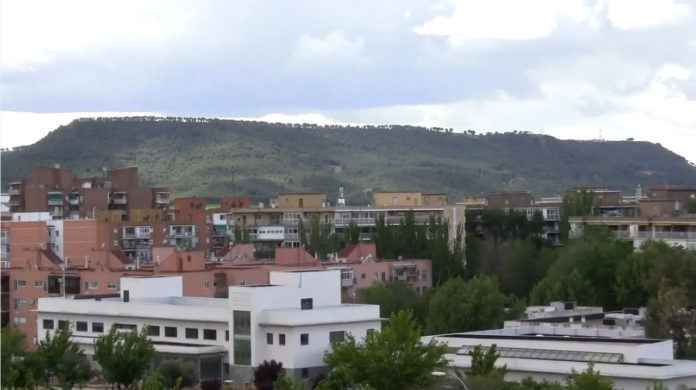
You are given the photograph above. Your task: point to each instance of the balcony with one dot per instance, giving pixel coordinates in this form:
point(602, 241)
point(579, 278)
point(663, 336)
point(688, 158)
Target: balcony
point(119, 198)
point(15, 202)
point(14, 188)
point(55, 199)
point(347, 278)
point(182, 231)
point(74, 199)
point(358, 221)
point(162, 198)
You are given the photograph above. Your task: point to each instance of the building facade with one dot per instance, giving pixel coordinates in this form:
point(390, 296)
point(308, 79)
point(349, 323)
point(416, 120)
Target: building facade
point(293, 319)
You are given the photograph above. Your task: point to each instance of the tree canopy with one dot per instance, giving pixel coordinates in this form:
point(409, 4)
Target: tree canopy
point(394, 358)
point(460, 305)
point(124, 357)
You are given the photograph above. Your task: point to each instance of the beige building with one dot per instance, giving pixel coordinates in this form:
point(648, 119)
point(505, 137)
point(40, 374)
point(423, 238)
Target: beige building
point(301, 200)
point(408, 199)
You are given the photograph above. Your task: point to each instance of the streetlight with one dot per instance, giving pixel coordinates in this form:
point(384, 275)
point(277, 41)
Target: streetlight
point(442, 374)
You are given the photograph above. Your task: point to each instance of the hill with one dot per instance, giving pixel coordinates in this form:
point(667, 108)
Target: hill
point(217, 157)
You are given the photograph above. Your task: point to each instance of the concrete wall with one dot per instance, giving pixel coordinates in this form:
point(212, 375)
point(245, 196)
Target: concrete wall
point(152, 287)
point(397, 199)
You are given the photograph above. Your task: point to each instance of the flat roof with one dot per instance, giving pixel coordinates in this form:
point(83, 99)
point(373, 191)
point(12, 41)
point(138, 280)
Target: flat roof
point(549, 337)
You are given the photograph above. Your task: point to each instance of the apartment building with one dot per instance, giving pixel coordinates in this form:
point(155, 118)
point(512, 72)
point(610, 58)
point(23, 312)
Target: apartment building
point(46, 257)
point(293, 319)
point(520, 201)
point(666, 213)
point(361, 268)
point(292, 214)
point(65, 196)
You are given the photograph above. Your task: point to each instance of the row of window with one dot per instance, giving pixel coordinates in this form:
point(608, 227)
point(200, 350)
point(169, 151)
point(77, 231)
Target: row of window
point(334, 337)
point(42, 284)
point(152, 330)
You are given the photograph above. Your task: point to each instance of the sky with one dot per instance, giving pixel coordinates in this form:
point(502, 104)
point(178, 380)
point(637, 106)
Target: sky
point(574, 69)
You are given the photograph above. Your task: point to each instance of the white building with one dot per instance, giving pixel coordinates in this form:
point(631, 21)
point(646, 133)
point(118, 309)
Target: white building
point(553, 352)
point(291, 320)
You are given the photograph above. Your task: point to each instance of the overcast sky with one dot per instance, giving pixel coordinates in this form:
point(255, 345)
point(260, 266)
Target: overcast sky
point(573, 69)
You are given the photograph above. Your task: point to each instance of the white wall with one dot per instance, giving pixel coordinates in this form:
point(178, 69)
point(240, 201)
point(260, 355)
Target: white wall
point(154, 287)
point(31, 216)
point(109, 321)
point(295, 355)
point(323, 286)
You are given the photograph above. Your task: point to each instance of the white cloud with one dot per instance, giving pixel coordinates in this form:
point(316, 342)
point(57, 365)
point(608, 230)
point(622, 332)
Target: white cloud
point(298, 118)
point(33, 33)
point(503, 20)
point(632, 14)
point(25, 128)
point(332, 48)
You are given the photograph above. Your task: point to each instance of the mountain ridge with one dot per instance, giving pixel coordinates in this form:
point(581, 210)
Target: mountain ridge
point(215, 157)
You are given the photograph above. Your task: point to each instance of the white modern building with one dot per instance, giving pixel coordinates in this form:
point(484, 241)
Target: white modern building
point(292, 320)
point(552, 352)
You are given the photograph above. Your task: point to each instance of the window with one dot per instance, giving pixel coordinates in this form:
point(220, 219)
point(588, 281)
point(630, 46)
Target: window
point(48, 324)
point(153, 330)
point(383, 277)
point(169, 331)
point(20, 320)
point(227, 335)
point(130, 327)
point(112, 286)
point(97, 327)
point(304, 339)
point(281, 338)
point(337, 336)
point(242, 323)
point(269, 338)
point(20, 283)
point(191, 333)
point(81, 326)
point(241, 342)
point(63, 324)
point(306, 303)
point(370, 331)
point(242, 351)
point(209, 334)
point(362, 276)
point(305, 372)
point(38, 283)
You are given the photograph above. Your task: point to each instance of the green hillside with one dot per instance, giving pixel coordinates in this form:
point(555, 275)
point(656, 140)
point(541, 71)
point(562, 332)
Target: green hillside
point(218, 157)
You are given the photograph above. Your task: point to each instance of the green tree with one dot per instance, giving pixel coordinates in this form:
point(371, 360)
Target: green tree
point(483, 362)
point(124, 357)
point(460, 305)
point(483, 373)
point(575, 204)
point(19, 367)
point(62, 361)
point(286, 382)
point(589, 380)
point(176, 373)
point(391, 297)
point(691, 206)
point(153, 381)
point(394, 358)
point(352, 234)
point(585, 271)
point(526, 263)
point(670, 317)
